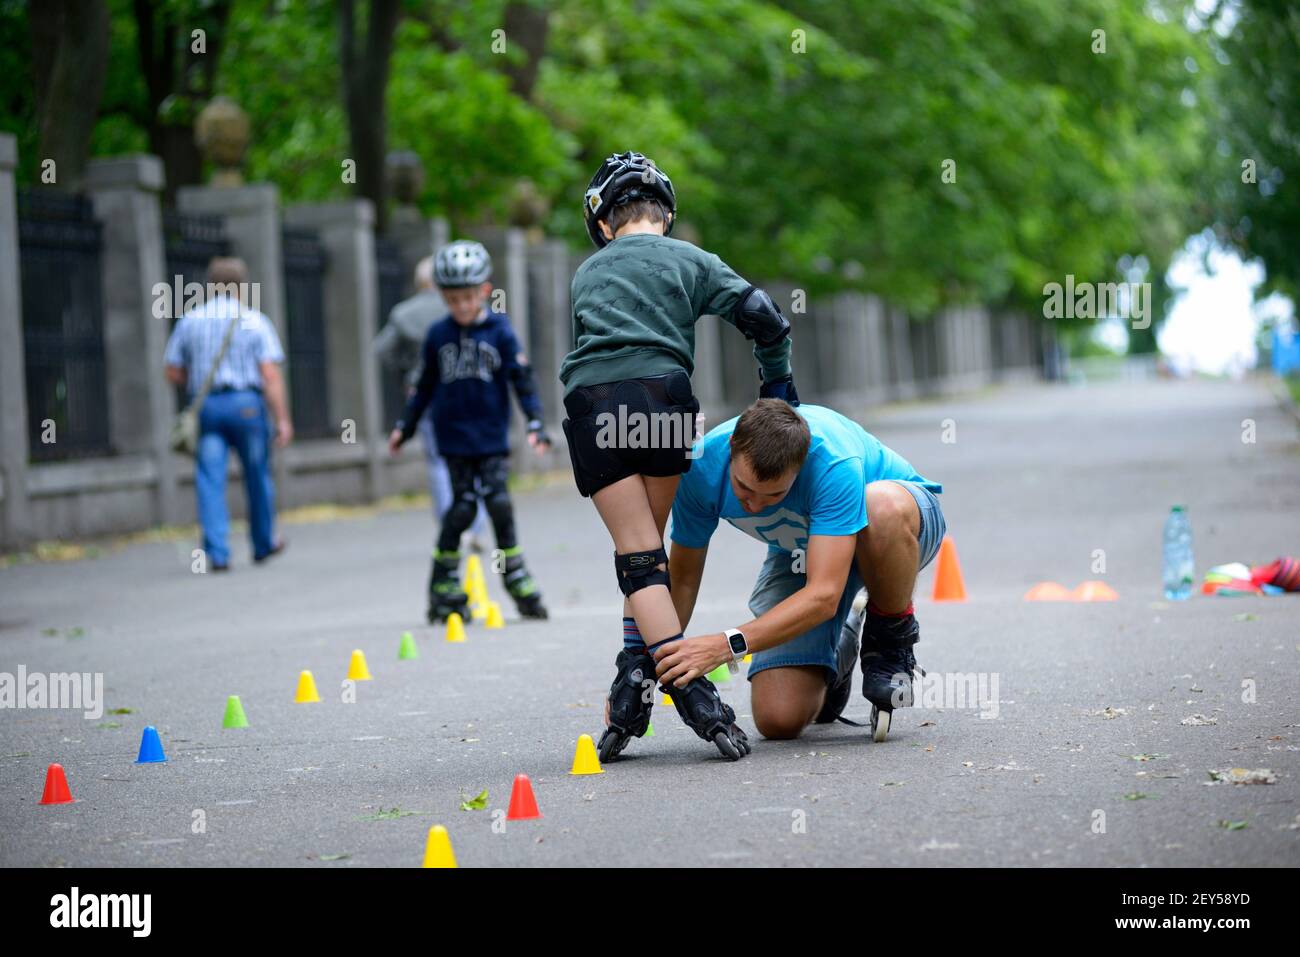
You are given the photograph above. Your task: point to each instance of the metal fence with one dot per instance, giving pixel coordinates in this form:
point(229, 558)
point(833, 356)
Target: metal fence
point(304, 301)
point(63, 325)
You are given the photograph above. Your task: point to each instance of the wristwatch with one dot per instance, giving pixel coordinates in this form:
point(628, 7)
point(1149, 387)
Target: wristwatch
point(739, 648)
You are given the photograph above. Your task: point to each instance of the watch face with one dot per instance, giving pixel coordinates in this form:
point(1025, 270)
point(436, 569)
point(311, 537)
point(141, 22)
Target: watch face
point(737, 640)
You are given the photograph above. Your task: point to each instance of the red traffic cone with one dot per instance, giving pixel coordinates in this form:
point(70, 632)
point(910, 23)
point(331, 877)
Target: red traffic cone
point(523, 806)
point(56, 786)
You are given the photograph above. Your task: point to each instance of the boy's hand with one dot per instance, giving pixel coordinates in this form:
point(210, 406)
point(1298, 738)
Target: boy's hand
point(782, 388)
point(394, 441)
point(683, 661)
point(537, 436)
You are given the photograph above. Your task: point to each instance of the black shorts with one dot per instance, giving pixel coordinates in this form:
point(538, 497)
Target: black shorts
point(634, 427)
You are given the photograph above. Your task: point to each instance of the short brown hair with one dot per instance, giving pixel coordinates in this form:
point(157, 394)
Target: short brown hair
point(227, 269)
point(773, 436)
point(630, 212)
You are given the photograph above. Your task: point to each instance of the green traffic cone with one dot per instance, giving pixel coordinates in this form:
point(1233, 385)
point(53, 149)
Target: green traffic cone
point(719, 674)
point(407, 651)
point(234, 714)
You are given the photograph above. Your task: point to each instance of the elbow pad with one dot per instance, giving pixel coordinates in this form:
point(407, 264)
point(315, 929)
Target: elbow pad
point(759, 318)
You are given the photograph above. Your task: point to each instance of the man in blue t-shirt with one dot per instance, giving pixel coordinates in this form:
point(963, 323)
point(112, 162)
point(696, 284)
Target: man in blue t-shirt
point(848, 523)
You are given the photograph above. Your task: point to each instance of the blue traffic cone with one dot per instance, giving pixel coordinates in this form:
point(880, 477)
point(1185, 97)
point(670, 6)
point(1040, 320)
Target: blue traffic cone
point(151, 749)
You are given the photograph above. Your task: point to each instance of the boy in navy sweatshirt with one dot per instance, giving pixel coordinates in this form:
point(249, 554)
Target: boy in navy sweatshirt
point(471, 360)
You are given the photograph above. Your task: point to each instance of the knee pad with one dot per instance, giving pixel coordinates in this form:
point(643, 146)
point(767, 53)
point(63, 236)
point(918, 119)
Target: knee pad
point(499, 507)
point(637, 570)
point(461, 514)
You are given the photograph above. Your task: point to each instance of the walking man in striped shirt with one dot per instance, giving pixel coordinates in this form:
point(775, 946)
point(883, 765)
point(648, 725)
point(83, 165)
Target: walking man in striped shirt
point(247, 382)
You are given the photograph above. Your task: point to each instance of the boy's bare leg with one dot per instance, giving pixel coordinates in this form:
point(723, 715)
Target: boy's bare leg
point(626, 510)
point(659, 493)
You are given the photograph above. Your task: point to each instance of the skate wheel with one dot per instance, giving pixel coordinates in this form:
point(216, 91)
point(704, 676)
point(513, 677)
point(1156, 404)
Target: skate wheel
point(726, 746)
point(879, 724)
point(611, 745)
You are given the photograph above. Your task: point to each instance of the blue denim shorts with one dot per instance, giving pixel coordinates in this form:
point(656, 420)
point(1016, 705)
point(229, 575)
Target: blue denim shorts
point(777, 582)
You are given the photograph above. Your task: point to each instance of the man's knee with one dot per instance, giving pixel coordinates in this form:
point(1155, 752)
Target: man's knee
point(780, 725)
point(891, 510)
point(786, 700)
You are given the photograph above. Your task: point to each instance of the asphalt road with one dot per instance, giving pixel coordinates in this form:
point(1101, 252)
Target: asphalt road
point(1038, 480)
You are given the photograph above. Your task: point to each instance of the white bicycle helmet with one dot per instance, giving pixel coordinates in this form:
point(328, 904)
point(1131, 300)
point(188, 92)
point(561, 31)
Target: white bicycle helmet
point(462, 263)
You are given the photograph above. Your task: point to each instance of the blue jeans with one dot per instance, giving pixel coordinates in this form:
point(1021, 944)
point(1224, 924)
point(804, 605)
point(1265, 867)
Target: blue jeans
point(777, 581)
point(234, 419)
point(440, 478)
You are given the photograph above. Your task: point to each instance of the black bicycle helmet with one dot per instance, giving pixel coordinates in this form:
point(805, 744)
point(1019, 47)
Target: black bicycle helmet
point(622, 178)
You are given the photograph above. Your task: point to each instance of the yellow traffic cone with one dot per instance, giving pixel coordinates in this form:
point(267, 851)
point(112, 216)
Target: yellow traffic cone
point(479, 599)
point(585, 760)
point(307, 692)
point(357, 670)
point(455, 627)
point(437, 848)
point(494, 617)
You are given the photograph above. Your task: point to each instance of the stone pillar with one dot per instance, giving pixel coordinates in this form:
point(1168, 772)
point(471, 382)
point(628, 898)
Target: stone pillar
point(508, 248)
point(875, 378)
point(125, 192)
point(252, 217)
point(551, 280)
point(351, 295)
point(14, 528)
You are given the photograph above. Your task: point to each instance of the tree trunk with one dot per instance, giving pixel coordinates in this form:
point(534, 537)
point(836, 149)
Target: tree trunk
point(69, 64)
point(365, 62)
point(171, 68)
point(526, 26)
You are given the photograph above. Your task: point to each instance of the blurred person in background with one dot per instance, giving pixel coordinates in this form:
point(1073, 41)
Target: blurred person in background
point(246, 384)
point(398, 346)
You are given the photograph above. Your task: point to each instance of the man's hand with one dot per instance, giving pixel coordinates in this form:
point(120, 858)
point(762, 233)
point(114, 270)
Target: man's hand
point(283, 432)
point(394, 441)
point(683, 661)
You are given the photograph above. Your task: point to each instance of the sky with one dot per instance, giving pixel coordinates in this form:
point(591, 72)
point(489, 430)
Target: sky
point(1213, 322)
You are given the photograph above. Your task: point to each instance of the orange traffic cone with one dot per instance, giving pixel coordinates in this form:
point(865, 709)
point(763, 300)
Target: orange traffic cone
point(1094, 591)
point(948, 585)
point(523, 806)
point(56, 786)
point(1049, 591)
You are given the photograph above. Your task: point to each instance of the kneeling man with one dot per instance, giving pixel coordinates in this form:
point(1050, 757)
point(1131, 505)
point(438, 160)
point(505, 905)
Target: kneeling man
point(843, 518)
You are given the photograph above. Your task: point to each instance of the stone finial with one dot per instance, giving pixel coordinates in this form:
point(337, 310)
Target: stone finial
point(221, 132)
point(528, 207)
point(405, 176)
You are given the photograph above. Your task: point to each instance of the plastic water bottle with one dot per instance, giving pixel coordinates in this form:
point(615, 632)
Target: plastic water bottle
point(1179, 572)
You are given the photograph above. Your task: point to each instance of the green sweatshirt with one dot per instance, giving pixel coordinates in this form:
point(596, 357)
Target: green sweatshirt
point(635, 304)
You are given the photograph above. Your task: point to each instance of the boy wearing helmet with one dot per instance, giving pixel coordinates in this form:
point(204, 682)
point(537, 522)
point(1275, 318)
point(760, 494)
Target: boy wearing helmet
point(471, 361)
point(635, 305)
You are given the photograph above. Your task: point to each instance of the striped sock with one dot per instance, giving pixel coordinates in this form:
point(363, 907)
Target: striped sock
point(632, 636)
